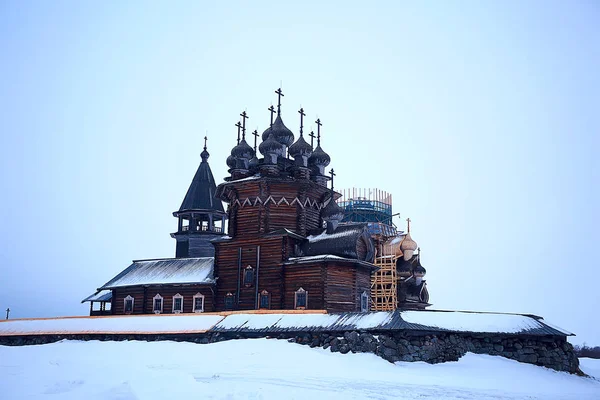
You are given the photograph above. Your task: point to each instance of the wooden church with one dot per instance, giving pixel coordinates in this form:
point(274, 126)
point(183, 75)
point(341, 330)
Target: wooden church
point(288, 244)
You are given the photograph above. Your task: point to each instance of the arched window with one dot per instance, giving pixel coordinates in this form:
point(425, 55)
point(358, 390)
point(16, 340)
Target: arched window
point(249, 276)
point(301, 299)
point(157, 306)
point(177, 304)
point(265, 300)
point(128, 304)
point(364, 302)
point(198, 303)
point(229, 301)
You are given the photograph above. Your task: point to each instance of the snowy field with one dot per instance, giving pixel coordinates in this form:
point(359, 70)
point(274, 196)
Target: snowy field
point(267, 369)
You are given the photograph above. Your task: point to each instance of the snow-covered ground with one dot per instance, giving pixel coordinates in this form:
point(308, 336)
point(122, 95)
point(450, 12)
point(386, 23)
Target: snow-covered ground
point(266, 369)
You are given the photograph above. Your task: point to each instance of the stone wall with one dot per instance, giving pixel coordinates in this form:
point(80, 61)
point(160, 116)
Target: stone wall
point(547, 351)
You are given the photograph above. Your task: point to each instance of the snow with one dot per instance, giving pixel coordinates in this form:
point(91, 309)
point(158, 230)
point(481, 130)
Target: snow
point(165, 271)
point(317, 257)
point(325, 235)
point(590, 366)
point(114, 324)
point(264, 369)
point(473, 322)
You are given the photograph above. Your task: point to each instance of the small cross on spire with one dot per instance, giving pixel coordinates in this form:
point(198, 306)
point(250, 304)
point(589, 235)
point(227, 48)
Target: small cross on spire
point(239, 126)
point(279, 96)
point(205, 139)
point(332, 173)
point(312, 138)
point(255, 133)
point(302, 115)
point(272, 109)
point(408, 225)
point(7, 312)
point(244, 117)
point(319, 124)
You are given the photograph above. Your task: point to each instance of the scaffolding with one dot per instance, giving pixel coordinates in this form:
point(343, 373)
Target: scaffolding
point(374, 207)
point(384, 292)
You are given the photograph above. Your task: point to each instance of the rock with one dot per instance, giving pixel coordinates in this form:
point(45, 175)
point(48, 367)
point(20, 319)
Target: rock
point(498, 347)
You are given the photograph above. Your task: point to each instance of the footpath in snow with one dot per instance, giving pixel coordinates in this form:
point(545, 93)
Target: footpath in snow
point(266, 369)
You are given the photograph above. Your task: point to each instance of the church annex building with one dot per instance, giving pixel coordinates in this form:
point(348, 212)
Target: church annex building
point(287, 240)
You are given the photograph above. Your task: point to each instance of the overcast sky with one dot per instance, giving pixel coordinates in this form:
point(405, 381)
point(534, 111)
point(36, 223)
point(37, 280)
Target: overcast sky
point(481, 118)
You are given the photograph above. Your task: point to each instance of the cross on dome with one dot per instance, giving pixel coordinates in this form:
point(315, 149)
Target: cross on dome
point(302, 115)
point(279, 96)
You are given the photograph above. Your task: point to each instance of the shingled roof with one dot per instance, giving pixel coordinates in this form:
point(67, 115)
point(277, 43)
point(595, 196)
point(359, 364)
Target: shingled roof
point(168, 271)
point(201, 193)
point(343, 242)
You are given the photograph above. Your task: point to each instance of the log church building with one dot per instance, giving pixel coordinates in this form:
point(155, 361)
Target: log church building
point(286, 241)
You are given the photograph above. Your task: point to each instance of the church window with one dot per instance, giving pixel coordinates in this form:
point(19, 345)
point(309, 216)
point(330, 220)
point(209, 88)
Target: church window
point(158, 304)
point(229, 298)
point(128, 305)
point(248, 276)
point(301, 299)
point(364, 302)
point(264, 299)
point(198, 303)
point(177, 303)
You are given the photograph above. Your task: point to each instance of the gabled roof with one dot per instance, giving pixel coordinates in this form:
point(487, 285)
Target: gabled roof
point(342, 242)
point(168, 271)
point(202, 190)
point(100, 295)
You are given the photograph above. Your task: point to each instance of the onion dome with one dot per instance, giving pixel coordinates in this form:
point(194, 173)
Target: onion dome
point(319, 158)
point(204, 155)
point(332, 212)
point(300, 148)
point(408, 247)
point(242, 150)
point(281, 133)
point(270, 146)
point(231, 162)
point(419, 270)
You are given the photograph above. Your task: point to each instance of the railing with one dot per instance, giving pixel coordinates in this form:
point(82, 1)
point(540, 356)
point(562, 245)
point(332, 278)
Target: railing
point(204, 228)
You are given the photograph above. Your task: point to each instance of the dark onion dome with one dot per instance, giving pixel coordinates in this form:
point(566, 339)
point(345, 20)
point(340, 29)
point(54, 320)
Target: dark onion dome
point(242, 150)
point(419, 269)
point(231, 162)
point(204, 155)
point(300, 148)
point(270, 146)
point(282, 134)
point(332, 212)
point(319, 157)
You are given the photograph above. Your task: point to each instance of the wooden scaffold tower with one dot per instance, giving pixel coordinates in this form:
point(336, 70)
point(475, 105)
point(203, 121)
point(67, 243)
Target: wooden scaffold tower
point(384, 294)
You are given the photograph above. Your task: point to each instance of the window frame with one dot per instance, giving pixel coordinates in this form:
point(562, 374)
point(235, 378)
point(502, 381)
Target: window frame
point(173, 310)
point(231, 296)
point(198, 296)
point(364, 295)
point(305, 292)
point(248, 270)
point(125, 300)
point(264, 294)
point(162, 304)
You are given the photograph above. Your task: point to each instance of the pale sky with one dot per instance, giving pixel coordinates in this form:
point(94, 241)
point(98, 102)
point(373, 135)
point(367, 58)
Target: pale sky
point(481, 118)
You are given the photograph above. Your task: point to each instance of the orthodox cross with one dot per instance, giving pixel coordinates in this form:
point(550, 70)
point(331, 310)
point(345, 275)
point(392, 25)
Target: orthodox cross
point(205, 139)
point(408, 223)
point(312, 138)
point(7, 312)
point(319, 124)
point(302, 115)
point(272, 109)
point(244, 117)
point(332, 173)
point(279, 96)
point(239, 127)
point(255, 133)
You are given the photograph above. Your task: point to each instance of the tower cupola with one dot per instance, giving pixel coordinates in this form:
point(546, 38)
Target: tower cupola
point(201, 217)
point(408, 245)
